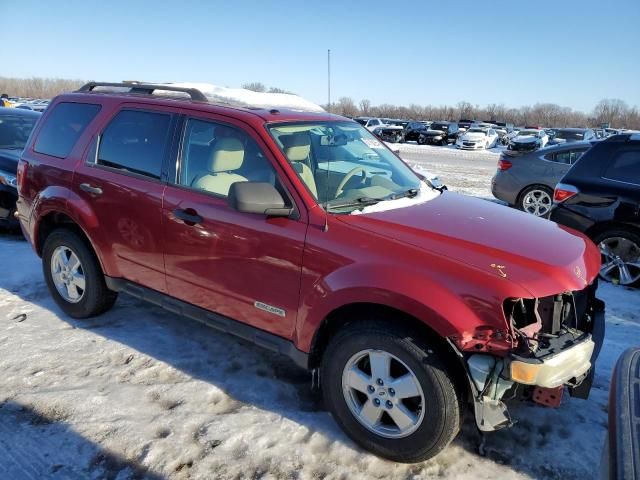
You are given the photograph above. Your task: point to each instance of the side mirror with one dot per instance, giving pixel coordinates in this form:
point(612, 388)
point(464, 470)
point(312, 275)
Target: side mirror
point(257, 197)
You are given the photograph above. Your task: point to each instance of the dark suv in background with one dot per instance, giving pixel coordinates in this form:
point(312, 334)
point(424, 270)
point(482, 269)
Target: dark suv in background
point(600, 196)
point(439, 133)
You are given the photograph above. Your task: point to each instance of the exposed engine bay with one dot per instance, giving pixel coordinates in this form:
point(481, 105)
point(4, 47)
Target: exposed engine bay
point(555, 342)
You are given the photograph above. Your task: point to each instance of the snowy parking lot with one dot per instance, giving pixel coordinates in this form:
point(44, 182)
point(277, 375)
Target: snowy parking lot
point(141, 393)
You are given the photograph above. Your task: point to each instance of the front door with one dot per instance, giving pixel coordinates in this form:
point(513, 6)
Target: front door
point(244, 266)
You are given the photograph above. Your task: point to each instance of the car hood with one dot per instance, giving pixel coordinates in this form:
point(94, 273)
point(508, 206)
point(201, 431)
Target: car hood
point(524, 139)
point(434, 133)
point(538, 255)
point(9, 160)
point(474, 137)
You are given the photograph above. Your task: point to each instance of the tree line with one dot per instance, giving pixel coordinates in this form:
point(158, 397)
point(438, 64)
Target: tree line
point(615, 112)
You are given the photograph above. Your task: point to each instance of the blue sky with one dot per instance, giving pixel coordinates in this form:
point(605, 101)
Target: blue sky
point(573, 53)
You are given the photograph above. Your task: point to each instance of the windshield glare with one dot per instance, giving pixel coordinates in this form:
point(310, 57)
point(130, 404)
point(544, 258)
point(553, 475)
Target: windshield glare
point(15, 130)
point(343, 165)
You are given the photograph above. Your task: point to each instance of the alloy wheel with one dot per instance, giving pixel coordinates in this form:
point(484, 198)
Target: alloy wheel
point(620, 260)
point(383, 393)
point(537, 202)
point(67, 274)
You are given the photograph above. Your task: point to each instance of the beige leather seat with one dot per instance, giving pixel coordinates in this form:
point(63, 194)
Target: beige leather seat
point(297, 147)
point(227, 157)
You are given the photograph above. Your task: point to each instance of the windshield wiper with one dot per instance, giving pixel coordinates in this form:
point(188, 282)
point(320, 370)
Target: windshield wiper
point(358, 202)
point(412, 192)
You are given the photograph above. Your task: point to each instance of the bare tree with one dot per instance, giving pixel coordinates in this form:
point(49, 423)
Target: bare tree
point(365, 105)
point(254, 86)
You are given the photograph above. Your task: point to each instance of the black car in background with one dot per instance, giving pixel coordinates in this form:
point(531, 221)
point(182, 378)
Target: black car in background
point(568, 135)
point(600, 196)
point(465, 123)
point(413, 130)
point(15, 128)
point(439, 133)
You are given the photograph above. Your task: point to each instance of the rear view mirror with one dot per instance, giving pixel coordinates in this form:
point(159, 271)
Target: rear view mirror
point(333, 140)
point(257, 197)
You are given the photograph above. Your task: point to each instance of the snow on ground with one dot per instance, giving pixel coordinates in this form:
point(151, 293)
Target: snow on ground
point(140, 393)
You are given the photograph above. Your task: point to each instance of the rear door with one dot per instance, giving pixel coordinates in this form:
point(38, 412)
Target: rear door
point(121, 178)
point(244, 266)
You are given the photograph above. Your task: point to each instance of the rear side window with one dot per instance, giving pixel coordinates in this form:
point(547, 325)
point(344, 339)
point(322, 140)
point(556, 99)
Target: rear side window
point(135, 141)
point(63, 127)
point(625, 167)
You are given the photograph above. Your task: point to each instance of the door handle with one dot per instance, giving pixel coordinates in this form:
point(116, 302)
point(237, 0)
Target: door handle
point(90, 189)
point(188, 216)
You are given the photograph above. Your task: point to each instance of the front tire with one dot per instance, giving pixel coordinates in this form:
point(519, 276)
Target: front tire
point(389, 392)
point(73, 275)
point(422, 140)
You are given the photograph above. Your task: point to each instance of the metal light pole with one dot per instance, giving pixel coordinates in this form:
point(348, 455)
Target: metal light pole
point(329, 80)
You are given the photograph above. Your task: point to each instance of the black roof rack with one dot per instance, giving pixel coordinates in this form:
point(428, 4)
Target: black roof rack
point(146, 88)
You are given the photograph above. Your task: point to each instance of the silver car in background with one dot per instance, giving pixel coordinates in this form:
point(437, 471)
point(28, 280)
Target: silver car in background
point(526, 181)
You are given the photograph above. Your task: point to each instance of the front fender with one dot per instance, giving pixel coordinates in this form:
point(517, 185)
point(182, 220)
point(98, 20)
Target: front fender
point(445, 305)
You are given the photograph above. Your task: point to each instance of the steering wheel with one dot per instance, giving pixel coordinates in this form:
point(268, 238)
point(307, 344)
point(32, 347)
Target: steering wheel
point(348, 177)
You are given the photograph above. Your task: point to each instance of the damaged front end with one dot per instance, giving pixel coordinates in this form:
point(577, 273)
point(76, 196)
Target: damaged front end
point(553, 342)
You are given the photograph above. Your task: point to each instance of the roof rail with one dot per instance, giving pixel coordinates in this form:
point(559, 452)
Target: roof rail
point(146, 88)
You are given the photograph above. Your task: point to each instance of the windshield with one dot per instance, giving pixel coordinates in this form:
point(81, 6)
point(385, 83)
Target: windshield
point(15, 130)
point(523, 133)
point(569, 134)
point(439, 126)
point(477, 130)
point(343, 165)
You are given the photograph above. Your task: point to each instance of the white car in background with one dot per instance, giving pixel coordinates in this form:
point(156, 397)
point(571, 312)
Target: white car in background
point(478, 138)
point(528, 139)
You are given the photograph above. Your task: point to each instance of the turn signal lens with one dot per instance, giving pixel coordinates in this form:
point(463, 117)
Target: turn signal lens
point(526, 373)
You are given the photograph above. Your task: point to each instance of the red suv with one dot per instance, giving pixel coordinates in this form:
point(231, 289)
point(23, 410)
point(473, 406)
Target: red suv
point(305, 234)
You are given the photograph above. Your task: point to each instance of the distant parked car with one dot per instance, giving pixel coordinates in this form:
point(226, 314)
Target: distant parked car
point(465, 123)
point(413, 130)
point(566, 135)
point(508, 127)
point(391, 132)
point(528, 140)
point(526, 181)
point(477, 138)
point(600, 196)
point(370, 123)
point(15, 126)
point(439, 133)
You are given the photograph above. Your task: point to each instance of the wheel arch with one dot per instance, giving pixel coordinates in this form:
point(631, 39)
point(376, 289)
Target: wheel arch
point(361, 312)
point(598, 228)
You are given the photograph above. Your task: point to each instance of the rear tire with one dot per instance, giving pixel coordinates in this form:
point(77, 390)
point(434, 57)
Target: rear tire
point(434, 413)
point(73, 275)
point(536, 200)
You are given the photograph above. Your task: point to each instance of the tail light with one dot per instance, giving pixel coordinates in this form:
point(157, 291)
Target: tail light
point(563, 192)
point(504, 164)
point(22, 170)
